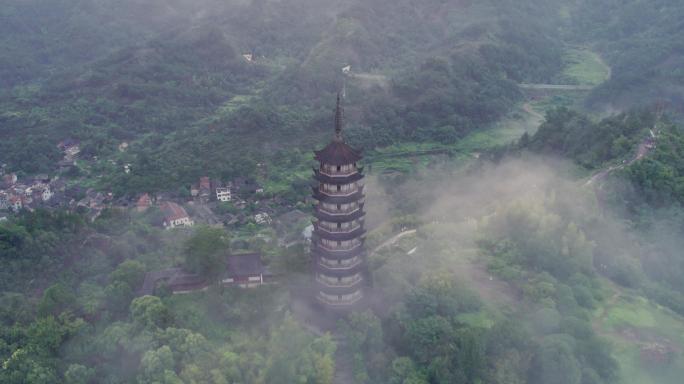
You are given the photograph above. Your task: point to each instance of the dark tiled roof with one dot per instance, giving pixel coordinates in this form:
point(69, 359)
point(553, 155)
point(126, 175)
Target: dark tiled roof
point(248, 264)
point(175, 278)
point(338, 153)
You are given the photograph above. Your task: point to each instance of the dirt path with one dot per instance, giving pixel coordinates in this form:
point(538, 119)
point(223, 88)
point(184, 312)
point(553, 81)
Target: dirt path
point(527, 107)
point(393, 240)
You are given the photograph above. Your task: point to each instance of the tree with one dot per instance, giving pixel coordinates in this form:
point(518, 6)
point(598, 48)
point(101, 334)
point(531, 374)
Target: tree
point(364, 341)
point(206, 251)
point(555, 363)
point(78, 374)
point(158, 367)
point(149, 312)
point(131, 272)
point(56, 298)
point(404, 371)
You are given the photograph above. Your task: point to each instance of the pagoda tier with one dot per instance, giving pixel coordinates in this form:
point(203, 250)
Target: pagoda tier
point(341, 289)
point(335, 179)
point(324, 233)
point(337, 242)
point(331, 198)
point(321, 251)
point(325, 269)
point(356, 213)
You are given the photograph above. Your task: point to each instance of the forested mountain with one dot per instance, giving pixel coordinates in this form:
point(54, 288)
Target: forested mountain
point(524, 165)
point(642, 41)
point(182, 73)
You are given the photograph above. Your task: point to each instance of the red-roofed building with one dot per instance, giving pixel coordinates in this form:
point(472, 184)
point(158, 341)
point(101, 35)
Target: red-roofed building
point(175, 216)
point(15, 203)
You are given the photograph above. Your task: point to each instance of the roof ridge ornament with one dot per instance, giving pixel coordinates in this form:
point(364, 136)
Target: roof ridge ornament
point(338, 120)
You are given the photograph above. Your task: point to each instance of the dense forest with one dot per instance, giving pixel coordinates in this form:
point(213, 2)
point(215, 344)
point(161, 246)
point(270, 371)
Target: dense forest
point(524, 184)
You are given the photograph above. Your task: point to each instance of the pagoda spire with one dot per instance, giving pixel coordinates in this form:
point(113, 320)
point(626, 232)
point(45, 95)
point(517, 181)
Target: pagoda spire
point(338, 119)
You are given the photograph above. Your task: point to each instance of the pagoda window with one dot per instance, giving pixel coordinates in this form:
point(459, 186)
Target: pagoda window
point(339, 168)
point(339, 187)
point(339, 225)
point(339, 207)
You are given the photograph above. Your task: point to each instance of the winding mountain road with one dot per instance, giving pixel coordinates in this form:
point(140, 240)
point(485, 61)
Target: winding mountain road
point(643, 150)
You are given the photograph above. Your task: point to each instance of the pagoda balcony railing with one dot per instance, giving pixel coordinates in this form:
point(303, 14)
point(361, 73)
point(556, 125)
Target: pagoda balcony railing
point(338, 212)
point(338, 174)
point(339, 193)
point(338, 230)
point(339, 248)
point(356, 296)
point(347, 264)
point(339, 284)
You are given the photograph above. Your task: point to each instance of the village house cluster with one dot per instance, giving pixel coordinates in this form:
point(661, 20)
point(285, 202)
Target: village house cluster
point(28, 193)
point(240, 192)
point(207, 190)
point(43, 191)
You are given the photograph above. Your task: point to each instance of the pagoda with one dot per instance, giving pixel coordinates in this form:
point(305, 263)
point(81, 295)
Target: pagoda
point(338, 237)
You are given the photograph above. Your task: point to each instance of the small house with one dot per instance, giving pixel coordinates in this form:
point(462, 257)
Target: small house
point(242, 270)
point(263, 218)
point(175, 216)
point(204, 189)
point(245, 270)
point(175, 279)
point(16, 203)
point(223, 194)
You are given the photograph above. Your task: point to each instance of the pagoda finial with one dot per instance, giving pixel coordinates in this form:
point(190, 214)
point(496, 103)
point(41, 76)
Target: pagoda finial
point(338, 119)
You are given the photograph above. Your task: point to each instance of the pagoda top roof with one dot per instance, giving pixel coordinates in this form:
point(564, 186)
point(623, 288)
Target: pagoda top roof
point(338, 153)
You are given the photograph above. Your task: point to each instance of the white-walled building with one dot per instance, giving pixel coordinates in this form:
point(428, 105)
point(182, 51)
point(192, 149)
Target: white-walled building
point(224, 194)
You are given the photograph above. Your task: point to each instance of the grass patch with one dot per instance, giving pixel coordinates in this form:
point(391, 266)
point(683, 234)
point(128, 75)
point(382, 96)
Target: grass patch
point(635, 313)
point(584, 67)
point(633, 322)
point(476, 319)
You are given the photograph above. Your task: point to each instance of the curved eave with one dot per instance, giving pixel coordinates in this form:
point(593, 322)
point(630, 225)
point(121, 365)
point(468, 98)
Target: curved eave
point(332, 272)
point(320, 196)
point(321, 215)
point(339, 236)
point(348, 179)
point(339, 290)
point(318, 251)
point(338, 153)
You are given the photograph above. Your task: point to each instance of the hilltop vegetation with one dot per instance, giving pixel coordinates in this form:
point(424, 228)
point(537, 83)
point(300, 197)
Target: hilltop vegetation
point(642, 42)
point(515, 269)
point(176, 91)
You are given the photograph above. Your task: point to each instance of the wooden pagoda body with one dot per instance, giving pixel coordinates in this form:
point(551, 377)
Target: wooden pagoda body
point(338, 238)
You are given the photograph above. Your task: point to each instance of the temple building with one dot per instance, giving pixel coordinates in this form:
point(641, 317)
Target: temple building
point(337, 245)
